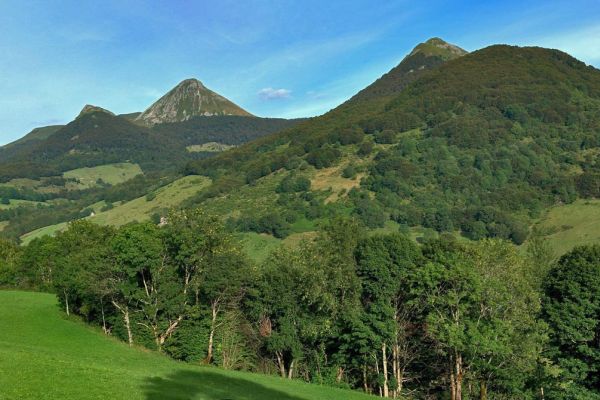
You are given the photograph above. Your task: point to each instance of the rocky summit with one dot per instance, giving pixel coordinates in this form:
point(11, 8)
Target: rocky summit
point(188, 99)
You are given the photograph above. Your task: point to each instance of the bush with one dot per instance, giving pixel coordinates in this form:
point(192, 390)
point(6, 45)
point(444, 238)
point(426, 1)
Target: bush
point(386, 136)
point(293, 183)
point(365, 148)
point(323, 157)
point(349, 172)
point(107, 206)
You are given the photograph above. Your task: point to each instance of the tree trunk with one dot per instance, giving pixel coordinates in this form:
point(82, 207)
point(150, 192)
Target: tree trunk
point(483, 390)
point(452, 383)
point(211, 336)
point(459, 377)
point(103, 319)
point(377, 372)
point(386, 392)
point(125, 311)
point(456, 377)
point(128, 326)
point(291, 370)
point(396, 368)
point(339, 375)
point(280, 363)
point(365, 384)
point(66, 302)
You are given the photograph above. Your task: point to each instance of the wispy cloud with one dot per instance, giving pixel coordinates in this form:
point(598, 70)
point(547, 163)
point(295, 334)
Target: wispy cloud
point(274, 94)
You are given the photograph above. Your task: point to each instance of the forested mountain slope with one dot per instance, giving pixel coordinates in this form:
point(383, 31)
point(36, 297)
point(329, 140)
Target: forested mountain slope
point(98, 137)
point(480, 144)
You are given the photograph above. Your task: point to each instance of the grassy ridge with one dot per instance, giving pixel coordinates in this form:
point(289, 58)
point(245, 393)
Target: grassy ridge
point(45, 356)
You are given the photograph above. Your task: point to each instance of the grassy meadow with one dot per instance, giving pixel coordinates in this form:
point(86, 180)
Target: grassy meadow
point(109, 173)
point(44, 355)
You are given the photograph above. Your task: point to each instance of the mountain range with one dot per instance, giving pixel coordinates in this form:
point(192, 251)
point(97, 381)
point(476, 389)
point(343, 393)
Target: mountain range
point(158, 138)
point(477, 144)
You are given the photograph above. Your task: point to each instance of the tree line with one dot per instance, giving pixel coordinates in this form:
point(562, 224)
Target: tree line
point(380, 313)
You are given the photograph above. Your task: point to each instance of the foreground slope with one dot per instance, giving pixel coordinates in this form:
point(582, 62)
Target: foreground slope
point(44, 356)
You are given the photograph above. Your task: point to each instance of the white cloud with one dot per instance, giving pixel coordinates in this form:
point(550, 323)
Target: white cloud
point(274, 94)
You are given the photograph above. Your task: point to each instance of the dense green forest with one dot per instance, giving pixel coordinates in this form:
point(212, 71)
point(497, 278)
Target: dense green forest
point(377, 313)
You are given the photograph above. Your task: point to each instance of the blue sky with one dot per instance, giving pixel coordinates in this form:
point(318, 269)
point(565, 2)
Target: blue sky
point(273, 58)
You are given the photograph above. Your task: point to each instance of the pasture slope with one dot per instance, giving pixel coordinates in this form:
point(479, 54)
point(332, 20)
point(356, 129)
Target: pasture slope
point(44, 355)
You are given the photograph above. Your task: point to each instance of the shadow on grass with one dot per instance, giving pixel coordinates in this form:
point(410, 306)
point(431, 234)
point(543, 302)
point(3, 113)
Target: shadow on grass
point(206, 385)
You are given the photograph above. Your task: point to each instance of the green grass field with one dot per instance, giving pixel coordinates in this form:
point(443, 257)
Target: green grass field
point(43, 355)
point(49, 230)
point(109, 173)
point(570, 225)
point(16, 203)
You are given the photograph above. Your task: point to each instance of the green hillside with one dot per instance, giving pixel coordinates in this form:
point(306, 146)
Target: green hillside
point(138, 209)
point(45, 356)
point(479, 145)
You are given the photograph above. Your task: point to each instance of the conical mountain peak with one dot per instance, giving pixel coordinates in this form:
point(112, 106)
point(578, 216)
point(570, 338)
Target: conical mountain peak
point(89, 108)
point(190, 98)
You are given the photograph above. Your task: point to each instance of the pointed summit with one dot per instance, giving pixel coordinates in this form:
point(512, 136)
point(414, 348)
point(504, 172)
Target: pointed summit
point(437, 47)
point(88, 108)
point(190, 98)
point(423, 57)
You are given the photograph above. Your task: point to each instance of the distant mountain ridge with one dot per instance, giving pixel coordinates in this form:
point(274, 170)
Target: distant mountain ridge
point(188, 99)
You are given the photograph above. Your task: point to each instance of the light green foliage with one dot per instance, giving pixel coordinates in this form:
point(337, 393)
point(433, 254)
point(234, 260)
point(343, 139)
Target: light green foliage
point(572, 311)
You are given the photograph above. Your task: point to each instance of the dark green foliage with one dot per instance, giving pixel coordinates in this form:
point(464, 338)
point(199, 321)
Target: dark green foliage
point(387, 136)
point(588, 184)
point(323, 157)
point(97, 138)
point(347, 136)
point(572, 310)
point(349, 172)
point(368, 211)
point(10, 255)
point(271, 223)
point(365, 148)
point(293, 183)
